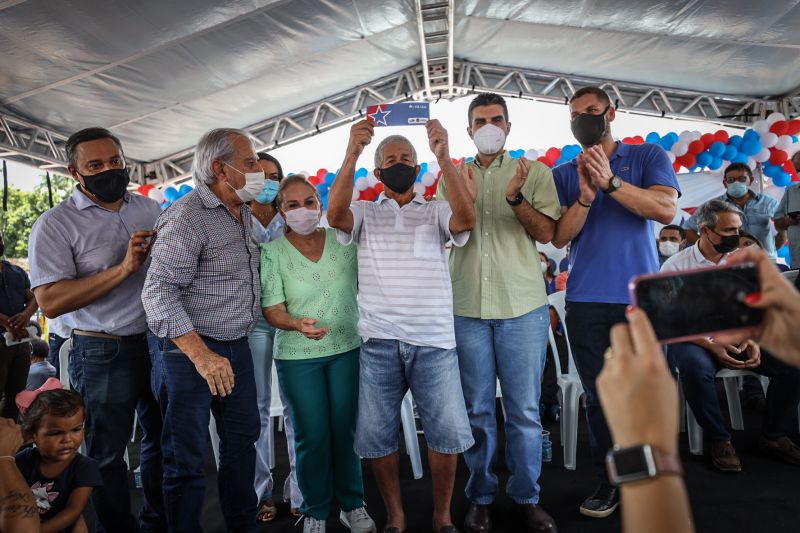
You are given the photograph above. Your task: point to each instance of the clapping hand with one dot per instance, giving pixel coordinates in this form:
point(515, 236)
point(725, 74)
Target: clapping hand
point(518, 180)
point(598, 166)
point(307, 327)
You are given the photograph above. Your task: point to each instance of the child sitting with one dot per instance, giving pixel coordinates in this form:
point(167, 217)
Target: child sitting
point(41, 369)
point(61, 478)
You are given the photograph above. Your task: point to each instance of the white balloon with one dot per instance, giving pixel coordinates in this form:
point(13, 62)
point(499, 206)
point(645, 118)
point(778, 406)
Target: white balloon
point(685, 137)
point(372, 180)
point(532, 154)
point(696, 135)
point(428, 179)
point(419, 188)
point(769, 139)
point(784, 142)
point(762, 156)
point(775, 117)
point(156, 194)
point(751, 162)
point(362, 183)
point(671, 157)
point(680, 148)
point(434, 168)
point(355, 196)
point(761, 126)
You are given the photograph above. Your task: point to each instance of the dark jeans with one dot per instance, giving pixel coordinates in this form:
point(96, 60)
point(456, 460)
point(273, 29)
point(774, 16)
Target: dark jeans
point(697, 368)
point(113, 377)
point(15, 361)
point(588, 328)
point(55, 343)
point(185, 404)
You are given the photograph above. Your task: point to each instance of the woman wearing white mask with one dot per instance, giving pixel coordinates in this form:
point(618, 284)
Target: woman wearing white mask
point(308, 292)
point(547, 272)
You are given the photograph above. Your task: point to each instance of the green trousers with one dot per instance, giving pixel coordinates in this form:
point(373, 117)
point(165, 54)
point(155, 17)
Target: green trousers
point(323, 401)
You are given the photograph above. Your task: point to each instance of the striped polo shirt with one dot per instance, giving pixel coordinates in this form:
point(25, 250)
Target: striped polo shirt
point(404, 289)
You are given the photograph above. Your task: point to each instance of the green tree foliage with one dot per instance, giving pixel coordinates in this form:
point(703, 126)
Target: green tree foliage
point(25, 207)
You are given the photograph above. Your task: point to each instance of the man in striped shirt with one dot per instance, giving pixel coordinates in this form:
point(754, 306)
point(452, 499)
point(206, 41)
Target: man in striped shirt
point(406, 306)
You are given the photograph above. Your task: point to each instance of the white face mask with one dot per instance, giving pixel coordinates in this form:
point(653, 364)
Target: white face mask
point(302, 220)
point(544, 267)
point(489, 139)
point(253, 183)
point(668, 248)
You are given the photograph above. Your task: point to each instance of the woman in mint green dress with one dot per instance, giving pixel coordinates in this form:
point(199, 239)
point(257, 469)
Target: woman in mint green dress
point(308, 286)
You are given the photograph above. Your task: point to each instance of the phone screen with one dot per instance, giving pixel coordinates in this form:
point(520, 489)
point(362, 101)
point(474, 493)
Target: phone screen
point(683, 305)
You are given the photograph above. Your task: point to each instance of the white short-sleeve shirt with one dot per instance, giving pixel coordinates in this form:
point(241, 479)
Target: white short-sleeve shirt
point(687, 259)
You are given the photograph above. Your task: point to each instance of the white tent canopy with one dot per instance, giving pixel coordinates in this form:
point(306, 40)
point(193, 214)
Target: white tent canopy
point(159, 74)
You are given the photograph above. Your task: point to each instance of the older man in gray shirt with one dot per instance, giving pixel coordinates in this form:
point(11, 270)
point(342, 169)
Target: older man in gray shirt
point(88, 259)
point(202, 297)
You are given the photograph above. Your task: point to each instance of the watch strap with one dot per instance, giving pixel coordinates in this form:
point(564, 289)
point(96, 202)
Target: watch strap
point(611, 187)
point(516, 201)
point(666, 463)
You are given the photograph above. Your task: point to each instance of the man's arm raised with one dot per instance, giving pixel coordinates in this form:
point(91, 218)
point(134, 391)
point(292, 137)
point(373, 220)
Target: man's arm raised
point(341, 194)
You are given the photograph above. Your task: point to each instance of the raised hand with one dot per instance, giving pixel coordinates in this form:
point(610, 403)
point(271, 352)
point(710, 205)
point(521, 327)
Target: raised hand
point(518, 181)
point(588, 190)
point(361, 134)
point(437, 139)
point(138, 249)
point(468, 176)
point(598, 166)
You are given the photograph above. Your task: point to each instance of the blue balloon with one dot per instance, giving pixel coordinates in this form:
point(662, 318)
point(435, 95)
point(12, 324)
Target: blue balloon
point(704, 159)
point(782, 179)
point(740, 158)
point(751, 147)
point(470, 159)
point(329, 177)
point(560, 161)
point(171, 194)
point(165, 205)
point(715, 163)
point(423, 168)
point(716, 149)
point(769, 169)
point(361, 173)
point(667, 142)
point(185, 189)
point(735, 141)
point(324, 201)
point(751, 134)
point(794, 139)
point(652, 138)
point(674, 136)
point(783, 251)
point(730, 153)
point(322, 189)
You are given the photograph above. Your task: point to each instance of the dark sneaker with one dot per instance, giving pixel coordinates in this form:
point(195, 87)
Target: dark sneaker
point(782, 449)
point(602, 503)
point(724, 458)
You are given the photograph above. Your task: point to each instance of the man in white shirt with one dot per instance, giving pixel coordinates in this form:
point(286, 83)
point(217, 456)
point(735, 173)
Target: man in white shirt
point(406, 305)
point(697, 362)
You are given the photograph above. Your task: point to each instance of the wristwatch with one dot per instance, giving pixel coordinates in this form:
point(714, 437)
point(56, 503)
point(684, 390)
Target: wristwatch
point(516, 201)
point(639, 462)
point(614, 183)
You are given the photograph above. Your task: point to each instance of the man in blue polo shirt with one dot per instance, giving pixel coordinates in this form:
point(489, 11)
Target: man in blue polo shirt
point(609, 196)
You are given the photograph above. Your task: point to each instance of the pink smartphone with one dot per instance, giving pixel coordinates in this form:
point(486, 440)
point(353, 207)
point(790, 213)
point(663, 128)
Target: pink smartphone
point(698, 303)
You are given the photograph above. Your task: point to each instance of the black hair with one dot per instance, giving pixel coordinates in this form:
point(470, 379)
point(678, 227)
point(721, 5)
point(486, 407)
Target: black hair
point(264, 156)
point(738, 166)
point(487, 99)
point(674, 227)
point(597, 91)
point(86, 135)
point(60, 403)
point(40, 348)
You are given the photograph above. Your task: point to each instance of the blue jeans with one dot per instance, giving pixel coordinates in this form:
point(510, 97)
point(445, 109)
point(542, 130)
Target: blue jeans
point(697, 368)
point(261, 341)
point(588, 329)
point(512, 350)
point(185, 403)
point(113, 377)
point(55, 342)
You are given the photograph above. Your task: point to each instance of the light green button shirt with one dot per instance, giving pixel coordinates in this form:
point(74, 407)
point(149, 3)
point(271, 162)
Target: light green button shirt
point(497, 274)
point(325, 291)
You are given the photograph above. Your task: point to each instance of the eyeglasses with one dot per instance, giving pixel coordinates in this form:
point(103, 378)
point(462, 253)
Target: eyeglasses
point(740, 179)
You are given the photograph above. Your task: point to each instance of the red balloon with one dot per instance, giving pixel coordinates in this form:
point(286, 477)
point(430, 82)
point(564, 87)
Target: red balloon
point(707, 139)
point(676, 166)
point(430, 191)
point(314, 180)
point(793, 127)
point(695, 147)
point(721, 136)
point(688, 160)
point(144, 189)
point(789, 167)
point(779, 128)
point(553, 154)
point(638, 139)
point(778, 157)
point(546, 160)
point(378, 188)
point(368, 194)
point(321, 173)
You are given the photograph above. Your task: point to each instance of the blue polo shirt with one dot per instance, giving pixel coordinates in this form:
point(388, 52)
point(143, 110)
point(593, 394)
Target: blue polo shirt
point(614, 244)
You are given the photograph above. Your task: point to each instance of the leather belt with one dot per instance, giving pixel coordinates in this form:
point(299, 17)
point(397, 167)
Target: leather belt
point(101, 335)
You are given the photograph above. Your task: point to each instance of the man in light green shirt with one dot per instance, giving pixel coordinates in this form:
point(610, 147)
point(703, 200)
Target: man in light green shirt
point(501, 316)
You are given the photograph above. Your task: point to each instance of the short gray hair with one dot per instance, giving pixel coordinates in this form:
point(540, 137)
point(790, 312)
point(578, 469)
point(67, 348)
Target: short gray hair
point(388, 140)
point(708, 214)
point(214, 145)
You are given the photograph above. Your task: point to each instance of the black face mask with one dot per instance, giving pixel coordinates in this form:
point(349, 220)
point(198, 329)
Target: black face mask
point(109, 186)
point(727, 243)
point(399, 177)
point(588, 129)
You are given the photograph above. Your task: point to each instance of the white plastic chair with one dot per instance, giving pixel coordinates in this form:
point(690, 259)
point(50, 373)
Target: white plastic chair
point(569, 384)
point(410, 434)
point(275, 411)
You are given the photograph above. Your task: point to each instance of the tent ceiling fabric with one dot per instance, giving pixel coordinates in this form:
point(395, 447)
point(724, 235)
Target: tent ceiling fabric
point(159, 73)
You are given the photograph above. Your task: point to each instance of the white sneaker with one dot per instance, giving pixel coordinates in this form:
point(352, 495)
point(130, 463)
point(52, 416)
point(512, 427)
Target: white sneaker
point(358, 521)
point(312, 525)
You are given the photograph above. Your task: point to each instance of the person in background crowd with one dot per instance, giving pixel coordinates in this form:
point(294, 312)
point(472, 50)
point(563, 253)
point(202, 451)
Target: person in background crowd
point(57, 334)
point(267, 225)
point(202, 297)
point(697, 361)
point(787, 217)
point(546, 265)
point(758, 209)
point(501, 319)
point(548, 405)
point(58, 475)
point(17, 305)
point(748, 239)
point(88, 258)
point(41, 369)
point(563, 266)
point(309, 285)
point(18, 509)
point(610, 195)
point(671, 240)
point(407, 326)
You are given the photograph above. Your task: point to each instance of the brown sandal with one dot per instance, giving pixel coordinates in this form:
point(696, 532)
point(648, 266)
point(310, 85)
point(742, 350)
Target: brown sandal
point(267, 511)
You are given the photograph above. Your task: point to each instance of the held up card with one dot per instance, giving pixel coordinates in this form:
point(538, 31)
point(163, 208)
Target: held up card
point(402, 114)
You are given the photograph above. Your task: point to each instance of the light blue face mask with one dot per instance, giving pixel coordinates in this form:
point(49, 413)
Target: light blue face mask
point(268, 193)
point(737, 189)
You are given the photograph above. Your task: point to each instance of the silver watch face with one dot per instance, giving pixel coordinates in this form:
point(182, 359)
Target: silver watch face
point(616, 182)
